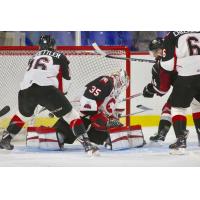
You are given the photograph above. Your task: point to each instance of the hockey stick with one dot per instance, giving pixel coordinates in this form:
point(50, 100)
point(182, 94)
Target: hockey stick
point(133, 96)
point(4, 110)
point(124, 99)
point(143, 109)
point(133, 113)
point(101, 52)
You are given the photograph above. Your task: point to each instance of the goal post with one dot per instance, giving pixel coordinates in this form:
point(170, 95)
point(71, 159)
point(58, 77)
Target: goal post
point(85, 65)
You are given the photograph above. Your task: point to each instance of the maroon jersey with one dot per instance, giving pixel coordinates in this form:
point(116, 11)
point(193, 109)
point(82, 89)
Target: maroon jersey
point(162, 80)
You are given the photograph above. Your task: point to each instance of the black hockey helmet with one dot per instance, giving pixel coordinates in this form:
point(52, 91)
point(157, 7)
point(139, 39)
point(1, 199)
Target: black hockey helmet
point(156, 44)
point(46, 42)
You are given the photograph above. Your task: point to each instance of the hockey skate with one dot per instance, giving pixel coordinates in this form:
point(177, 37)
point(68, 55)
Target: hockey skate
point(5, 141)
point(90, 149)
point(108, 144)
point(61, 140)
point(159, 137)
point(198, 135)
point(179, 147)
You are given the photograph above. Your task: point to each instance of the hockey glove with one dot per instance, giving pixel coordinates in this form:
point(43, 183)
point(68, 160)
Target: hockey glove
point(99, 121)
point(117, 113)
point(114, 123)
point(149, 91)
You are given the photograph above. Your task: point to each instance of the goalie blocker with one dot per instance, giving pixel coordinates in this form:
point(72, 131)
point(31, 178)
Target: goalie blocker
point(119, 138)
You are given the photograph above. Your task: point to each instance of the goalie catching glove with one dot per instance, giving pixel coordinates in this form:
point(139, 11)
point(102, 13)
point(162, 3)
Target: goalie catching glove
point(114, 123)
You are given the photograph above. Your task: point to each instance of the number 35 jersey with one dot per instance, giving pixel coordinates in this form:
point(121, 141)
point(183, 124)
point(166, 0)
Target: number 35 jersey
point(98, 95)
point(46, 67)
point(99, 88)
point(181, 53)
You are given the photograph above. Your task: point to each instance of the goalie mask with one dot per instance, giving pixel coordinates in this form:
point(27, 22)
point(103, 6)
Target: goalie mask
point(46, 42)
point(120, 79)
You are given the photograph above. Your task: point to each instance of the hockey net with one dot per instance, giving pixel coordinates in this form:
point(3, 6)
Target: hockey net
point(85, 66)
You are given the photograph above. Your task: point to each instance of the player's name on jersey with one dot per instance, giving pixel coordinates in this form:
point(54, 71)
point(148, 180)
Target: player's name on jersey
point(176, 33)
point(49, 53)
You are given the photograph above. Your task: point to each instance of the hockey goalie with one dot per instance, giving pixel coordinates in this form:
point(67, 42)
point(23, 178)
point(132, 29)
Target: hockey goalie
point(100, 113)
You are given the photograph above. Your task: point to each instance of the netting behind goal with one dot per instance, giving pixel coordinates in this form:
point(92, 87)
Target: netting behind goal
point(85, 65)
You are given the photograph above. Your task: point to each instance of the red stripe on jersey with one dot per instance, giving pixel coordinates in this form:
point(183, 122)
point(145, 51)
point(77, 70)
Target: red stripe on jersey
point(59, 77)
point(165, 80)
point(16, 120)
point(178, 118)
point(196, 115)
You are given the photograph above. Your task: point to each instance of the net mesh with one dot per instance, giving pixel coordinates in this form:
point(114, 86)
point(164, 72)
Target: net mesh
point(85, 65)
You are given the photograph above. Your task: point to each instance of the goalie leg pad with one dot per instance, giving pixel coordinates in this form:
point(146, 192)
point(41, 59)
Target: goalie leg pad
point(119, 138)
point(126, 137)
point(44, 138)
point(32, 137)
point(136, 137)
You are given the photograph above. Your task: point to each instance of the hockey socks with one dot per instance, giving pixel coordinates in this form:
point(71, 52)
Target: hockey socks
point(16, 124)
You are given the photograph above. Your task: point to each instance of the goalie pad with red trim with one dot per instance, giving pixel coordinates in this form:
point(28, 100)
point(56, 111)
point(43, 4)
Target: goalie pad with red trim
point(44, 138)
point(119, 137)
point(126, 137)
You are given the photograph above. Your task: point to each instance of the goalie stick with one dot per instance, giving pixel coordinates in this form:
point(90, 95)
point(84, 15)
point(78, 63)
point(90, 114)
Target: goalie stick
point(4, 110)
point(101, 52)
point(124, 99)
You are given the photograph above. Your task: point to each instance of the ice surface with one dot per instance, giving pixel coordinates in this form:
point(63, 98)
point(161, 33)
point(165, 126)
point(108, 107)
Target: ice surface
point(154, 156)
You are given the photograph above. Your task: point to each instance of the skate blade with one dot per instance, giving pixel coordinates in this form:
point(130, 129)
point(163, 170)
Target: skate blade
point(180, 151)
point(156, 144)
point(92, 153)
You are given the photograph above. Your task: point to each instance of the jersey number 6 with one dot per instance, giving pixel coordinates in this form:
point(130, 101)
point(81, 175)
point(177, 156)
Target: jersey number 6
point(193, 45)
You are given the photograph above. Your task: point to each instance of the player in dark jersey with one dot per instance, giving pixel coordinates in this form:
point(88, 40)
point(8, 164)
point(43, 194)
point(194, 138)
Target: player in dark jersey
point(181, 53)
point(98, 108)
point(42, 85)
point(152, 88)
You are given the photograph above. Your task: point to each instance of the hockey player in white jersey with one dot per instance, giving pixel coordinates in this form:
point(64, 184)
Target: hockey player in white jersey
point(47, 72)
point(156, 87)
point(181, 53)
